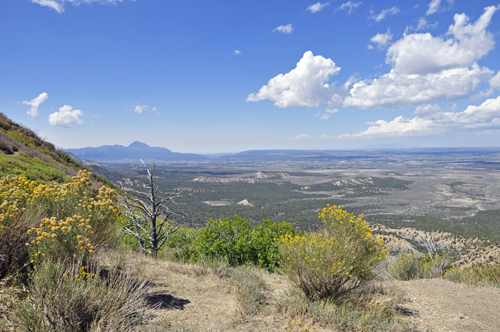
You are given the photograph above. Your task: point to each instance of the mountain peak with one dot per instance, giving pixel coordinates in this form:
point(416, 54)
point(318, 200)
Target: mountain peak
point(138, 145)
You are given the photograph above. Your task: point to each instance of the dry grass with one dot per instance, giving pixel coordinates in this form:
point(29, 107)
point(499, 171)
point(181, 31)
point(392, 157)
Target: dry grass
point(368, 309)
point(70, 299)
point(13, 251)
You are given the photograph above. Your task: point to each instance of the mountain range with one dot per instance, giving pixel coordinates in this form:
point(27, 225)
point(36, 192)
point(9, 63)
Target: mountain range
point(133, 153)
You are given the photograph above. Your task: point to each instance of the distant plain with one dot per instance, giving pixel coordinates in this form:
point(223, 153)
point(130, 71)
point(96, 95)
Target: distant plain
point(452, 193)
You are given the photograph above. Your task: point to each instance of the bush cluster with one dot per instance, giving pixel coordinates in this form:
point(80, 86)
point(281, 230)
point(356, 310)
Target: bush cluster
point(237, 242)
point(412, 266)
point(479, 275)
point(54, 229)
point(70, 214)
point(335, 261)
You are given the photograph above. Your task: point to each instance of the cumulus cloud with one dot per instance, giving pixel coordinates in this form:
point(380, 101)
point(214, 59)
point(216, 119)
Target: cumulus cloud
point(58, 5)
point(284, 28)
point(304, 86)
point(237, 52)
point(430, 119)
point(422, 53)
point(380, 40)
point(399, 90)
point(495, 81)
point(384, 14)
point(425, 69)
point(139, 109)
point(302, 137)
point(349, 6)
point(66, 117)
point(434, 6)
point(327, 114)
point(34, 103)
point(318, 6)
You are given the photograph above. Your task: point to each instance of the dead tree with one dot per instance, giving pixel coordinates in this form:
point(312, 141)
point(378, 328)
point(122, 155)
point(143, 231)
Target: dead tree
point(429, 244)
point(148, 216)
point(440, 261)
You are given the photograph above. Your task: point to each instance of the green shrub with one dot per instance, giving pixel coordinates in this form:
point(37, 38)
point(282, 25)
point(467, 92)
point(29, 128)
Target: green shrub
point(332, 263)
point(239, 243)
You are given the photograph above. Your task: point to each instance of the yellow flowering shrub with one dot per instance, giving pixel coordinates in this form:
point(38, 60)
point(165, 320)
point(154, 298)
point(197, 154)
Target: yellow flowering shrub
point(14, 194)
point(68, 210)
point(62, 239)
point(330, 263)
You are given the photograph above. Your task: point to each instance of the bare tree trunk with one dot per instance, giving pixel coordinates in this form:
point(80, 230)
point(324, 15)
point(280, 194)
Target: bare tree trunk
point(149, 218)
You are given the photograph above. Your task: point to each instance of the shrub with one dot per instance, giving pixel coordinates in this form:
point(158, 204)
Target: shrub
point(335, 261)
point(250, 289)
point(239, 243)
point(72, 299)
point(69, 209)
point(411, 266)
point(488, 275)
point(62, 240)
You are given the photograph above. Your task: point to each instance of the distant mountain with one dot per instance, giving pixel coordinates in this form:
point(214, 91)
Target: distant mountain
point(134, 152)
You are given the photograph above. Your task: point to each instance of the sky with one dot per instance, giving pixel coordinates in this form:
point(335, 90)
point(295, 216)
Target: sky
point(228, 76)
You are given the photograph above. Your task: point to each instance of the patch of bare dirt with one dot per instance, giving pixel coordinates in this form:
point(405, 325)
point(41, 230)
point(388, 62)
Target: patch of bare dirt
point(195, 297)
point(442, 305)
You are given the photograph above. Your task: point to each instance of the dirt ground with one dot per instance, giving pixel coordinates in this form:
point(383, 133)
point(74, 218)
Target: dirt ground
point(442, 305)
point(194, 297)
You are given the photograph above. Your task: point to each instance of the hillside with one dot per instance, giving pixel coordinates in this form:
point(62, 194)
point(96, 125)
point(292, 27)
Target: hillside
point(24, 153)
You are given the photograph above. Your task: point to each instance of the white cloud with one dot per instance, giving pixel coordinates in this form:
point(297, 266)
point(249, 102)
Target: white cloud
point(430, 119)
point(318, 6)
point(381, 40)
point(384, 13)
point(422, 53)
point(302, 137)
point(66, 117)
point(34, 103)
point(422, 25)
point(495, 81)
point(327, 114)
point(139, 109)
point(237, 52)
point(304, 86)
point(434, 6)
point(58, 5)
point(284, 28)
point(349, 6)
point(425, 69)
point(400, 90)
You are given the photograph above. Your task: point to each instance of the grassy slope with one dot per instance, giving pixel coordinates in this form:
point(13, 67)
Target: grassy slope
point(24, 153)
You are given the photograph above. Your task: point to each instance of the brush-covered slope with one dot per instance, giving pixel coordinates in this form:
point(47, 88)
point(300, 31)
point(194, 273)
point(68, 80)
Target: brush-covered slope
point(24, 153)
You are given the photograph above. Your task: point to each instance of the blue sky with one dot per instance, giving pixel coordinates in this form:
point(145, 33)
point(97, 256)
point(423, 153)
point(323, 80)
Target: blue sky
point(227, 76)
